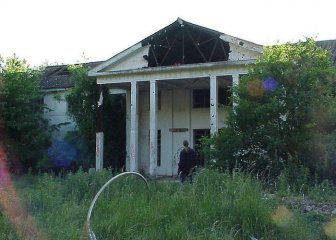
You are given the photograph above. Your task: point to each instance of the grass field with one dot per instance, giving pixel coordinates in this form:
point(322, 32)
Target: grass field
point(215, 206)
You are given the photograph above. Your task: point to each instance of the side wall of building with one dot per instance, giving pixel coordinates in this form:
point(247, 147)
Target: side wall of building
point(55, 101)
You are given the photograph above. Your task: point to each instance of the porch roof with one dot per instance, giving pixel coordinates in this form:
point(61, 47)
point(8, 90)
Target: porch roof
point(199, 70)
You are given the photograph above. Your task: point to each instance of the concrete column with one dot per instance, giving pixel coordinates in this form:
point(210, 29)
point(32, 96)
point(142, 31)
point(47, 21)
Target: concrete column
point(128, 128)
point(235, 82)
point(153, 128)
point(134, 155)
point(213, 105)
point(99, 150)
point(100, 133)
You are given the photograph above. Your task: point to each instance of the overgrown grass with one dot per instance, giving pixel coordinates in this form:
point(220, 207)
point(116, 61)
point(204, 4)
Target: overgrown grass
point(215, 206)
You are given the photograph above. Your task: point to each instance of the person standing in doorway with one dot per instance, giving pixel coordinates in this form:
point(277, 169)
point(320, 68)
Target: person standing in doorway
point(187, 162)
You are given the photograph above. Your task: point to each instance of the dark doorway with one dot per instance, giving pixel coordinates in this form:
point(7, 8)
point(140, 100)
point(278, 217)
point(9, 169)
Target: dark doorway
point(198, 134)
point(115, 131)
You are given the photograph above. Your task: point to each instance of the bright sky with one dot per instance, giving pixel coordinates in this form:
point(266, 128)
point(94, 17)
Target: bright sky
point(60, 31)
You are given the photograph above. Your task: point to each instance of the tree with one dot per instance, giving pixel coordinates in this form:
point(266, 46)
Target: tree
point(285, 114)
point(23, 110)
point(82, 101)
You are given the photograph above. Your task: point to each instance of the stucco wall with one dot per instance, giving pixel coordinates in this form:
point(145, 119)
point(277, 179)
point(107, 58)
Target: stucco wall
point(133, 61)
point(239, 53)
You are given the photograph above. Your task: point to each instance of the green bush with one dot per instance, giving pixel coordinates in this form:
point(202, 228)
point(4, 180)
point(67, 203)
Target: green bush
point(28, 131)
point(284, 115)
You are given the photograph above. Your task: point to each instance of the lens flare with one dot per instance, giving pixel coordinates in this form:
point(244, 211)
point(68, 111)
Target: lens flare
point(256, 88)
point(330, 229)
point(270, 84)
point(282, 216)
point(62, 153)
point(23, 223)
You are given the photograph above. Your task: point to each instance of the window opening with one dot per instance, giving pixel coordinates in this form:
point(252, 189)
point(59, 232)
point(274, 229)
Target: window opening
point(224, 95)
point(201, 98)
point(159, 100)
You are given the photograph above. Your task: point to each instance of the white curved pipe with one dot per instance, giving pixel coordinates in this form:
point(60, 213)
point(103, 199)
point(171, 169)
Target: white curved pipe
point(91, 233)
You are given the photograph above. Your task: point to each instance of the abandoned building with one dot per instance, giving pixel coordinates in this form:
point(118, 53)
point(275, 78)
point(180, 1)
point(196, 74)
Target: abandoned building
point(177, 86)
point(55, 84)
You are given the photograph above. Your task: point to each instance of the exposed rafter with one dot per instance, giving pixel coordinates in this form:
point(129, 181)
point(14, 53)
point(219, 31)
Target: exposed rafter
point(213, 50)
point(156, 61)
point(196, 46)
point(167, 52)
point(185, 43)
point(222, 46)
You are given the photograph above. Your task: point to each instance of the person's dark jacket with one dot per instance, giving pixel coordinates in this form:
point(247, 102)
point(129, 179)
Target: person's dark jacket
point(187, 160)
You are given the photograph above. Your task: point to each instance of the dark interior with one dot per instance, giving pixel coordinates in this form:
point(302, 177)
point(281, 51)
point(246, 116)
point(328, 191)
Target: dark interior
point(185, 43)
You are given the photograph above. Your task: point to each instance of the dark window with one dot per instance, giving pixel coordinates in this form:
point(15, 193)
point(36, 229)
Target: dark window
point(198, 134)
point(241, 76)
point(224, 95)
point(201, 98)
point(158, 151)
point(159, 100)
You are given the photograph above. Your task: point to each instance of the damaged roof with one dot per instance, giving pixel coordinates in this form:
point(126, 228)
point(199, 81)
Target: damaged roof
point(185, 43)
point(180, 43)
point(59, 77)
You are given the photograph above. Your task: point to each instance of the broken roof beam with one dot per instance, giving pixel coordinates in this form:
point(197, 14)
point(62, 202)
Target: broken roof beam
point(223, 48)
point(196, 46)
point(213, 50)
point(183, 55)
point(155, 59)
point(165, 56)
point(206, 41)
point(168, 42)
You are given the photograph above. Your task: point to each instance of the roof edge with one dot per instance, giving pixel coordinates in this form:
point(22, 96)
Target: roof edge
point(180, 67)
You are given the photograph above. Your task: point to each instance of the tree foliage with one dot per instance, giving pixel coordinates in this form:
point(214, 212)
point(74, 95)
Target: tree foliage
point(82, 101)
point(23, 112)
point(285, 114)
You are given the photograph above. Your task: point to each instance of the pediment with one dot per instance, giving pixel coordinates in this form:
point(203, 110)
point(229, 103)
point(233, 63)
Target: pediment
point(181, 43)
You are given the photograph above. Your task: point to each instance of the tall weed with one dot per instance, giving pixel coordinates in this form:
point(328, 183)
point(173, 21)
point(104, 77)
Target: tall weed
point(216, 206)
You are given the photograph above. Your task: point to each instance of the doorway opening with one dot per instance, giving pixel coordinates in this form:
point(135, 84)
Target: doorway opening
point(198, 134)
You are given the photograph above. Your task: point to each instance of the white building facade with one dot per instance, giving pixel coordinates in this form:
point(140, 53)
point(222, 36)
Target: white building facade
point(55, 84)
point(177, 83)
